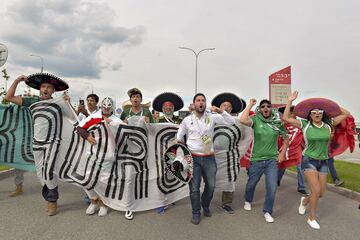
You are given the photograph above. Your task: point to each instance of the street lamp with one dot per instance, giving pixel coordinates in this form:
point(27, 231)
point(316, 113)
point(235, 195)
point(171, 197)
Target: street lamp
point(196, 63)
point(42, 61)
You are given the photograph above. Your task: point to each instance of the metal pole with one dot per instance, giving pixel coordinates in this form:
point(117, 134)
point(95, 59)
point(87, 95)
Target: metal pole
point(196, 61)
point(42, 61)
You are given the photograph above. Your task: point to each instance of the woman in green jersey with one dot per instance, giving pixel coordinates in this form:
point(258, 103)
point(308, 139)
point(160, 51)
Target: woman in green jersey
point(317, 129)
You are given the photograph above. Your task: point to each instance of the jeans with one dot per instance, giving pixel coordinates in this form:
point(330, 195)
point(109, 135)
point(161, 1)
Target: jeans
point(310, 164)
point(19, 177)
point(205, 167)
point(300, 177)
point(256, 170)
point(50, 195)
point(332, 169)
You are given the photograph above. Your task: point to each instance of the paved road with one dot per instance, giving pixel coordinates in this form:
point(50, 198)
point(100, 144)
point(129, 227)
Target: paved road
point(24, 217)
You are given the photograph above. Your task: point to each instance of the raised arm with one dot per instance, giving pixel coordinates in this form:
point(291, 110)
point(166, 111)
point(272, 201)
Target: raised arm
point(338, 119)
point(245, 116)
point(223, 117)
point(286, 117)
point(10, 95)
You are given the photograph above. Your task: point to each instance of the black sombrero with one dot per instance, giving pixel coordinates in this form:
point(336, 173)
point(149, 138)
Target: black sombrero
point(35, 80)
point(168, 97)
point(282, 109)
point(238, 104)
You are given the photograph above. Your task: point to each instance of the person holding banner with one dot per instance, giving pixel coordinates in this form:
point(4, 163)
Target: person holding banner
point(136, 109)
point(199, 130)
point(106, 114)
point(232, 104)
point(47, 84)
point(267, 126)
point(317, 129)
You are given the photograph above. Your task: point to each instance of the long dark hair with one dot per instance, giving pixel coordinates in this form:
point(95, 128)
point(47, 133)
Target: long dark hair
point(324, 119)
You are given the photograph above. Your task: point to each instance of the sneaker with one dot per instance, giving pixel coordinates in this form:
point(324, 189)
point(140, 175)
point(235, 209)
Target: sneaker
point(313, 224)
point(247, 206)
point(129, 215)
point(303, 192)
point(92, 208)
point(195, 219)
point(338, 182)
point(268, 218)
point(302, 208)
point(207, 213)
point(228, 209)
point(160, 210)
point(103, 211)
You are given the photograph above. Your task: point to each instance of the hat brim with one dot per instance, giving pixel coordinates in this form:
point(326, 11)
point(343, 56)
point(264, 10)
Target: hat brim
point(35, 81)
point(238, 104)
point(282, 109)
point(167, 97)
point(186, 175)
point(330, 107)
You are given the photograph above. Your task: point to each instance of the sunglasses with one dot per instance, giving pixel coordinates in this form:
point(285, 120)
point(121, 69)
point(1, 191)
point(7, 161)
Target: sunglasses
point(265, 106)
point(317, 111)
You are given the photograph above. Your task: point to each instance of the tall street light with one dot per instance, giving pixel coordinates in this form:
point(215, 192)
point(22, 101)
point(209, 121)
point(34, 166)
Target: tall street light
point(42, 61)
point(196, 63)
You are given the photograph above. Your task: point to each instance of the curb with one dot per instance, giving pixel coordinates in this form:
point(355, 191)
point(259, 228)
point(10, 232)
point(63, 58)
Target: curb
point(6, 173)
point(331, 187)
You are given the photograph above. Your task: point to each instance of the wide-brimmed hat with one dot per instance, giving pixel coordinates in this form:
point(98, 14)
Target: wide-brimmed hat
point(127, 104)
point(168, 97)
point(179, 162)
point(282, 109)
point(238, 104)
point(330, 107)
point(134, 91)
point(35, 81)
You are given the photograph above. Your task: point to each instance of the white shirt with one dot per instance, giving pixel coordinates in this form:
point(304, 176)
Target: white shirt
point(81, 116)
point(195, 128)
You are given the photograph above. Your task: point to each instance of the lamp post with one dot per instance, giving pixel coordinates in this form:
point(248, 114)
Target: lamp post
point(42, 61)
point(196, 62)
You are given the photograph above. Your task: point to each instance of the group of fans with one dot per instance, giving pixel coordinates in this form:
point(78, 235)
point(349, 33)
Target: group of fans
point(196, 131)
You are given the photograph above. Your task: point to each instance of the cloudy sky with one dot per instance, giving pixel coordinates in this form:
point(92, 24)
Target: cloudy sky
point(111, 46)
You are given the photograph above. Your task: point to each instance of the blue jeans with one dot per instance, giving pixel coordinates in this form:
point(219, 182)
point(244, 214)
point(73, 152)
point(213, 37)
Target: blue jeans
point(256, 170)
point(310, 164)
point(206, 168)
point(50, 195)
point(332, 169)
point(300, 177)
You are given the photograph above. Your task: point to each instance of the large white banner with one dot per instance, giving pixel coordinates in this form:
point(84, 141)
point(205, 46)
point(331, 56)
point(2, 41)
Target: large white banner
point(126, 167)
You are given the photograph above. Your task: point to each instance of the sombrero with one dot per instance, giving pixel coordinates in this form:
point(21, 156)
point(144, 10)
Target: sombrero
point(35, 81)
point(238, 104)
point(127, 104)
point(303, 108)
point(179, 162)
point(282, 109)
point(168, 97)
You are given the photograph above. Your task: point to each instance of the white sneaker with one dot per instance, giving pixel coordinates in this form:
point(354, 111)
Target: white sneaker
point(313, 223)
point(302, 208)
point(129, 215)
point(247, 206)
point(103, 211)
point(92, 208)
point(268, 218)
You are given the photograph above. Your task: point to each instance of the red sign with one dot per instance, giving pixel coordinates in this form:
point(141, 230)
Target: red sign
point(280, 87)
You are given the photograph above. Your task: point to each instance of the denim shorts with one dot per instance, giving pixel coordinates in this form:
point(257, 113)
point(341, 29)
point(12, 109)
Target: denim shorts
point(310, 164)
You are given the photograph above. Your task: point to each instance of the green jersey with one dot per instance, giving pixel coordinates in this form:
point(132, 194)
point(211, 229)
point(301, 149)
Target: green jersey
point(144, 112)
point(316, 140)
point(265, 143)
point(27, 101)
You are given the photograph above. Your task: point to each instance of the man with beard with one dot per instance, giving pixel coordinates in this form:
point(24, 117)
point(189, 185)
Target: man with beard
point(136, 109)
point(47, 84)
point(168, 103)
point(232, 104)
point(199, 130)
point(267, 126)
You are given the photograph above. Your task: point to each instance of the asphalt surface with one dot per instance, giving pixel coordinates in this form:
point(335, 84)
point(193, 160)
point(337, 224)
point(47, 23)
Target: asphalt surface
point(25, 217)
